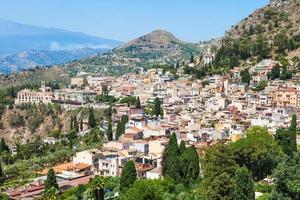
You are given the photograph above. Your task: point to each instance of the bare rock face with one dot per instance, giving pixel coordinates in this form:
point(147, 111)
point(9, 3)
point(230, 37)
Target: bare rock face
point(279, 3)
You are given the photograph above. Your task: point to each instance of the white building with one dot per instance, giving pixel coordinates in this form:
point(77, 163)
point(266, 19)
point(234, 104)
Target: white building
point(43, 95)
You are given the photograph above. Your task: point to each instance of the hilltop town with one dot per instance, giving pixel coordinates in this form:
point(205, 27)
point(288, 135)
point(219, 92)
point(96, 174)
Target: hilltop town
point(159, 118)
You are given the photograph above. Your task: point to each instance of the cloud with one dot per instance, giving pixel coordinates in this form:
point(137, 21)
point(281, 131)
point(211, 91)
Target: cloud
point(56, 46)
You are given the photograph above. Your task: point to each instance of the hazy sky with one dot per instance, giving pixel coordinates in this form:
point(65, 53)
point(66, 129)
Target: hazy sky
point(190, 20)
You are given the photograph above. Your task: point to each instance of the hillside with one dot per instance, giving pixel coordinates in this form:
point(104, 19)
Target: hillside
point(29, 59)
point(157, 47)
point(270, 32)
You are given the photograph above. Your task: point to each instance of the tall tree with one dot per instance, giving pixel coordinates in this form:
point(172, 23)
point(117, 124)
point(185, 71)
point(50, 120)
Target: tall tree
point(286, 183)
point(293, 126)
point(189, 165)
point(71, 123)
point(286, 138)
point(3, 146)
point(192, 59)
point(76, 127)
point(182, 147)
point(95, 189)
point(128, 176)
point(124, 120)
point(81, 124)
point(91, 118)
point(221, 187)
point(217, 160)
point(244, 187)
point(2, 177)
point(259, 152)
point(109, 132)
point(138, 103)
point(51, 185)
point(170, 160)
point(157, 107)
point(245, 76)
point(119, 130)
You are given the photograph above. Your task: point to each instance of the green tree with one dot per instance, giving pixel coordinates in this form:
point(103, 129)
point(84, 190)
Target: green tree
point(286, 138)
point(71, 123)
point(3, 146)
point(76, 127)
point(119, 131)
point(221, 188)
point(182, 147)
point(124, 120)
point(287, 179)
point(91, 118)
point(170, 160)
point(245, 76)
point(95, 190)
point(72, 137)
point(2, 176)
point(109, 132)
point(81, 124)
point(275, 73)
point(189, 165)
point(244, 187)
point(145, 189)
point(157, 107)
point(192, 59)
point(217, 160)
point(259, 152)
point(293, 126)
point(128, 176)
point(138, 103)
point(51, 185)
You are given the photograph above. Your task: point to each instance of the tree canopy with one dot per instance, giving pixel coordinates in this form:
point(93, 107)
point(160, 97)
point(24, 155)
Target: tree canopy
point(128, 176)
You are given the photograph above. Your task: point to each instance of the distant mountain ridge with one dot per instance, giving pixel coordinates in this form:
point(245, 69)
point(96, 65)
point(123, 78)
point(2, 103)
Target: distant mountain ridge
point(29, 59)
point(16, 37)
point(26, 46)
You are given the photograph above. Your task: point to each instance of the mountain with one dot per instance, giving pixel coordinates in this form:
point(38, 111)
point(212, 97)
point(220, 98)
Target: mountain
point(158, 44)
point(157, 47)
point(29, 59)
point(16, 37)
point(25, 46)
point(270, 32)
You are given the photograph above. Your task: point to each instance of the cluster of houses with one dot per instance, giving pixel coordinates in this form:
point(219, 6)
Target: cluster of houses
point(200, 113)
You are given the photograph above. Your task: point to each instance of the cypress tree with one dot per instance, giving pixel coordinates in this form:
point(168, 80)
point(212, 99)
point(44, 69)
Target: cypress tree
point(3, 146)
point(246, 76)
point(118, 130)
point(293, 133)
point(170, 160)
point(243, 188)
point(286, 138)
point(76, 127)
point(124, 120)
point(81, 124)
point(182, 147)
point(91, 119)
point(72, 123)
point(128, 176)
point(109, 131)
point(293, 126)
point(50, 183)
point(157, 107)
point(189, 165)
point(1, 175)
point(138, 103)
